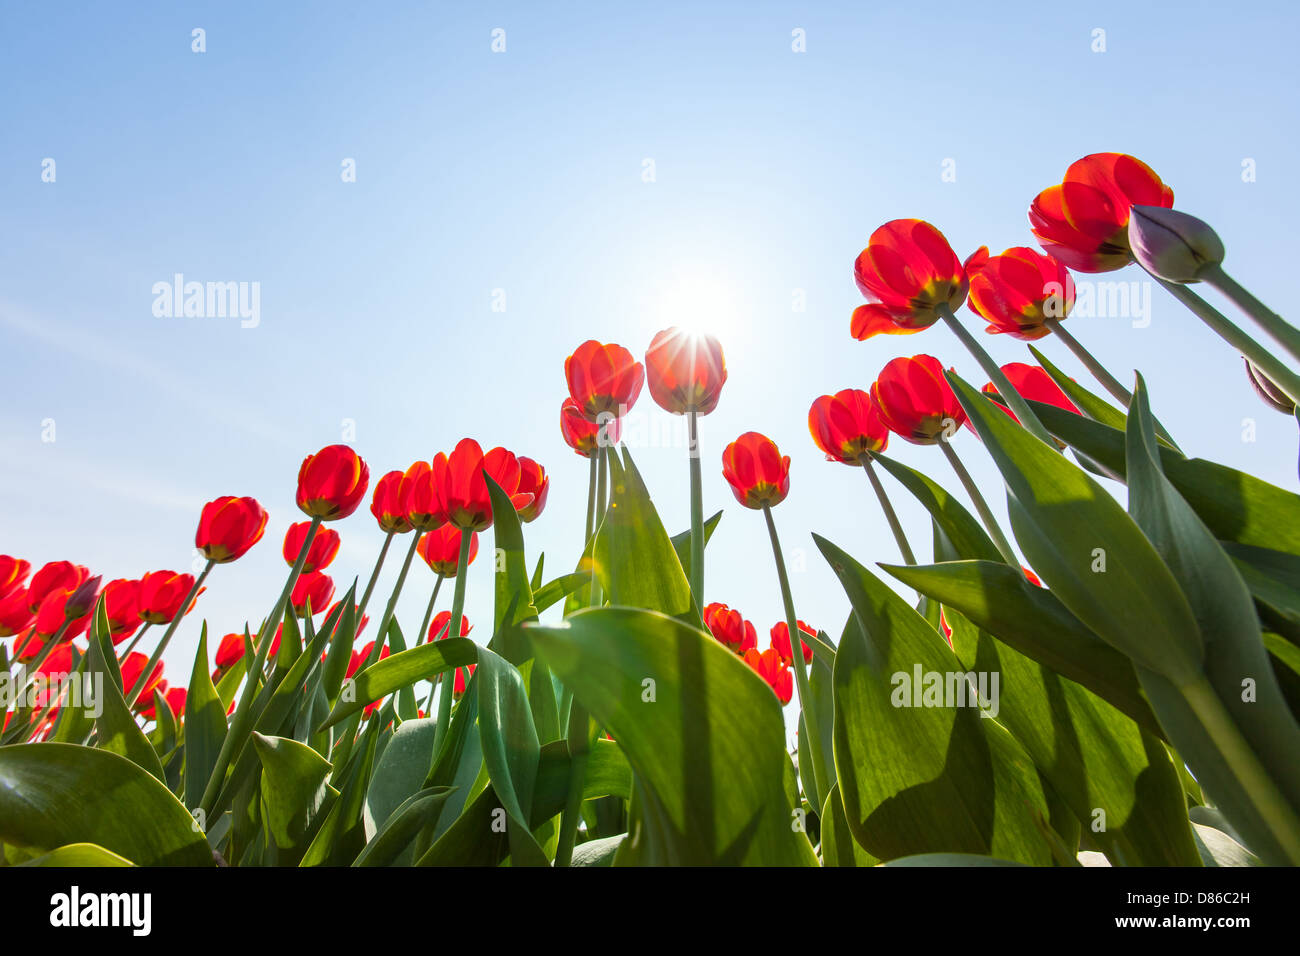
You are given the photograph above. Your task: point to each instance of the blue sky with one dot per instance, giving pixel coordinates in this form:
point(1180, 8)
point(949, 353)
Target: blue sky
point(523, 171)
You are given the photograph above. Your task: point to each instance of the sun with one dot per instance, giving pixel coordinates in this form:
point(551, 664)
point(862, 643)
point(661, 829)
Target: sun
point(698, 303)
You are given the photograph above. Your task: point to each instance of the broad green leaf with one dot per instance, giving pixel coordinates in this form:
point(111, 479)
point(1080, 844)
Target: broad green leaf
point(514, 597)
point(52, 795)
point(394, 838)
point(1219, 849)
point(79, 855)
point(950, 859)
point(920, 773)
point(553, 592)
point(401, 670)
point(703, 733)
point(295, 789)
point(342, 836)
point(1086, 548)
point(205, 724)
point(115, 728)
point(597, 852)
point(967, 538)
point(1032, 620)
point(838, 846)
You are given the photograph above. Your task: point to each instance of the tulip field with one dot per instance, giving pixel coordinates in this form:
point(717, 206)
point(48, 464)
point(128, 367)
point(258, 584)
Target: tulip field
point(1111, 677)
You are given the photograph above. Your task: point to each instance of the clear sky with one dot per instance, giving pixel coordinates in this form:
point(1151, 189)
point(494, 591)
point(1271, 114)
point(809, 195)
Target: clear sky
point(525, 172)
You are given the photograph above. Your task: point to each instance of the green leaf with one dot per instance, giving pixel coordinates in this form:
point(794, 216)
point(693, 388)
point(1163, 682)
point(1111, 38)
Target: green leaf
point(597, 852)
point(950, 859)
point(918, 775)
point(1000, 600)
point(393, 839)
point(514, 597)
point(838, 846)
point(115, 727)
point(52, 795)
point(1069, 528)
point(295, 790)
point(553, 592)
point(79, 855)
point(401, 670)
point(967, 538)
point(702, 732)
point(205, 723)
point(635, 559)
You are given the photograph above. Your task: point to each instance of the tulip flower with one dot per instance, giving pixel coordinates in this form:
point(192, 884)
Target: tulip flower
point(133, 671)
point(228, 527)
point(441, 624)
point(332, 482)
point(910, 274)
point(915, 401)
point(534, 481)
point(1267, 390)
point(730, 629)
point(324, 546)
point(162, 596)
point(604, 380)
point(122, 608)
point(55, 576)
point(583, 435)
point(1034, 384)
point(780, 636)
point(361, 619)
point(686, 372)
point(440, 550)
point(1083, 220)
point(175, 697)
point(757, 473)
point(316, 588)
point(392, 502)
point(1021, 293)
point(13, 575)
point(463, 675)
point(229, 652)
point(360, 657)
point(15, 614)
point(769, 666)
point(463, 492)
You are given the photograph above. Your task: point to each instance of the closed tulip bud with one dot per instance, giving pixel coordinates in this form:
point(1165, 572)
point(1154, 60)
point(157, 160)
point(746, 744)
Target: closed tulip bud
point(317, 587)
point(82, 601)
point(332, 482)
point(161, 595)
point(391, 503)
point(685, 371)
point(729, 628)
point(1173, 245)
point(230, 651)
point(757, 473)
point(780, 635)
point(1267, 389)
point(228, 527)
point(13, 574)
point(534, 481)
point(440, 549)
point(324, 546)
point(55, 576)
point(442, 623)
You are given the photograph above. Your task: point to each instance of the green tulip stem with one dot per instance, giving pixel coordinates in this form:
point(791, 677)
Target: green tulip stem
point(382, 637)
point(1260, 357)
point(46, 650)
point(999, 379)
point(601, 501)
point(821, 782)
point(589, 528)
point(374, 576)
point(157, 654)
point(981, 506)
point(697, 510)
point(1256, 783)
point(453, 630)
point(1281, 331)
point(424, 627)
point(241, 724)
point(135, 640)
point(890, 515)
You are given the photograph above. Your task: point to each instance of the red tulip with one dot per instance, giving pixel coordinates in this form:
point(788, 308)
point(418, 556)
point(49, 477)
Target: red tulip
point(332, 482)
point(58, 664)
point(392, 502)
point(132, 667)
point(781, 641)
point(51, 616)
point(847, 425)
point(228, 527)
point(161, 595)
point(122, 608)
point(361, 623)
point(1018, 290)
point(604, 380)
point(916, 401)
point(15, 614)
point(440, 549)
point(758, 475)
point(1083, 220)
point(175, 697)
point(1031, 577)
point(463, 675)
point(908, 271)
point(316, 587)
point(442, 623)
point(230, 651)
point(685, 371)
point(462, 491)
point(424, 509)
point(581, 435)
point(363, 655)
point(769, 666)
point(55, 576)
point(533, 481)
point(1033, 384)
point(13, 574)
point(730, 629)
point(324, 546)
